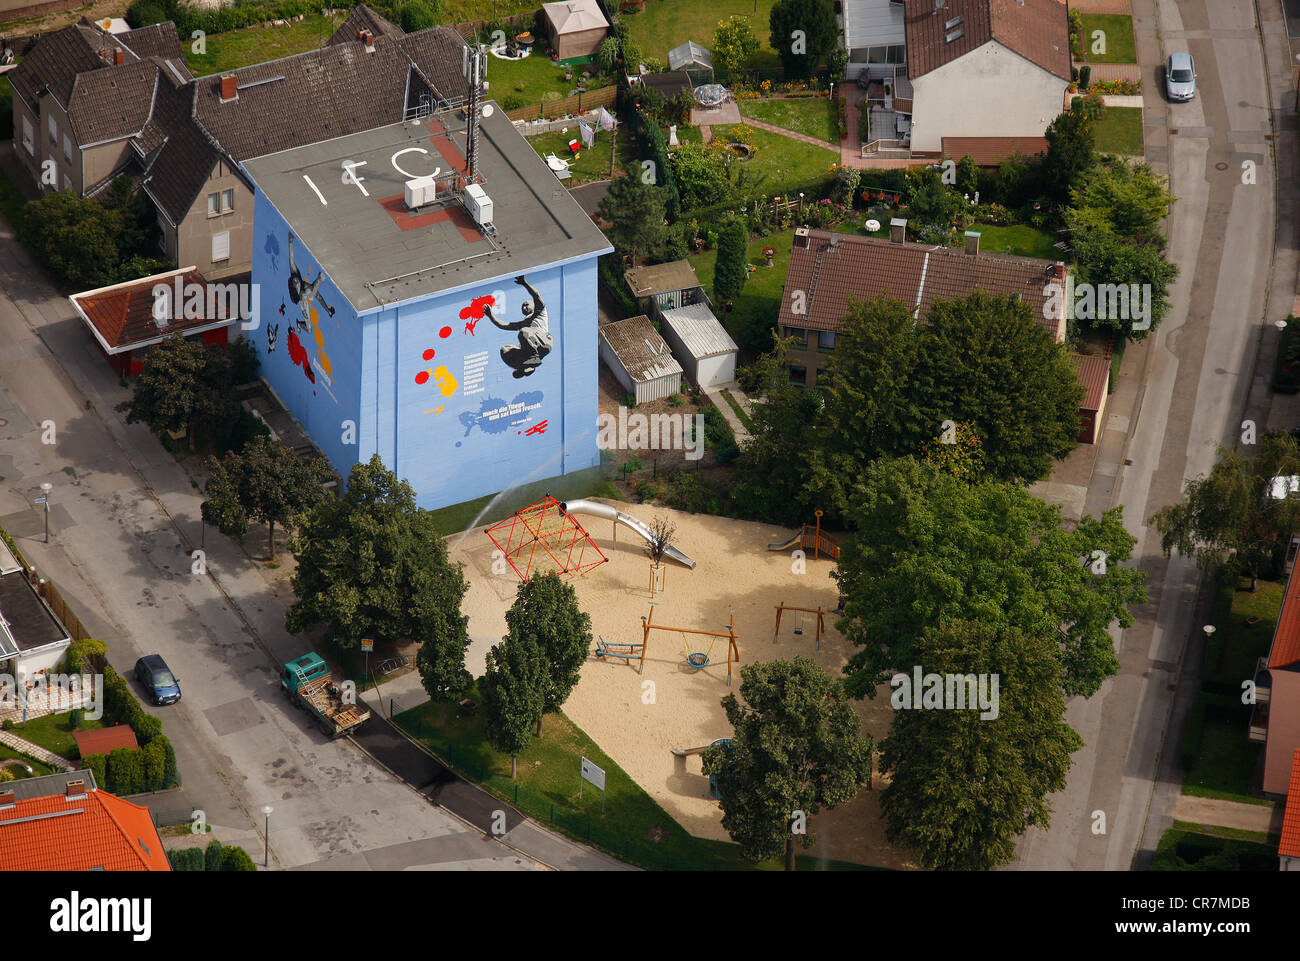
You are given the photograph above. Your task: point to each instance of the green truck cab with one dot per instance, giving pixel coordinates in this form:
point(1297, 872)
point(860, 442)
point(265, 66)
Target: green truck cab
point(307, 683)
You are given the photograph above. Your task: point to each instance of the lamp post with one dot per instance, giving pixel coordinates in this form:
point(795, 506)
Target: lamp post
point(45, 499)
point(266, 856)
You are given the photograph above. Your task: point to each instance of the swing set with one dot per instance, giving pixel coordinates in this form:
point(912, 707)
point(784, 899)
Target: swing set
point(800, 620)
point(695, 659)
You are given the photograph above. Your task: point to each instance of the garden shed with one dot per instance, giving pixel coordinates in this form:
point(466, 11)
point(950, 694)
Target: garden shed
point(575, 28)
point(640, 359)
point(702, 344)
point(690, 56)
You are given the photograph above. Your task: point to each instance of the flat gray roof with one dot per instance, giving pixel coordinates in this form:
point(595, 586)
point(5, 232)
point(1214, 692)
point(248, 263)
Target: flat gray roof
point(378, 253)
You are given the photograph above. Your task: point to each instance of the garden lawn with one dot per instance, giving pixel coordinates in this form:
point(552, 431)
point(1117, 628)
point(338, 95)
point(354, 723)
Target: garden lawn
point(537, 74)
point(781, 160)
point(248, 45)
point(1236, 645)
point(466, 11)
point(1119, 131)
point(591, 164)
point(1226, 761)
point(813, 116)
point(759, 303)
point(54, 733)
point(547, 790)
point(38, 769)
point(1020, 239)
point(670, 23)
point(1251, 850)
point(1118, 31)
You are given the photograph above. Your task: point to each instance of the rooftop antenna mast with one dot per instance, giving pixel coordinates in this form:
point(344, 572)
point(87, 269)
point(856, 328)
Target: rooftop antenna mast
point(474, 65)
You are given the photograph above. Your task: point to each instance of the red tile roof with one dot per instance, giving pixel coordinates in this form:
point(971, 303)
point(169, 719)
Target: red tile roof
point(991, 151)
point(105, 739)
point(1038, 30)
point(94, 830)
point(917, 274)
point(1286, 637)
point(121, 316)
point(1094, 375)
point(1290, 844)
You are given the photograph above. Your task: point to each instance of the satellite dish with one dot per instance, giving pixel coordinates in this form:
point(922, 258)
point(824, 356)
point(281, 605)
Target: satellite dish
point(487, 110)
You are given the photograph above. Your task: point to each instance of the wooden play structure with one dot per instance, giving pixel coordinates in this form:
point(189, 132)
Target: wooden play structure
point(696, 659)
point(810, 537)
point(799, 623)
point(625, 651)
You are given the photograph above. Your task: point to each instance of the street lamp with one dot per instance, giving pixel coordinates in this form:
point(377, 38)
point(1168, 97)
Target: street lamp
point(266, 856)
point(1280, 324)
point(45, 499)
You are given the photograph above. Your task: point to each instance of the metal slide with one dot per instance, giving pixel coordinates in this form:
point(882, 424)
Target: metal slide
point(627, 520)
point(792, 542)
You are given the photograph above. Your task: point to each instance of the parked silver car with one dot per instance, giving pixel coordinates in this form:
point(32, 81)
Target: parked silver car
point(1180, 77)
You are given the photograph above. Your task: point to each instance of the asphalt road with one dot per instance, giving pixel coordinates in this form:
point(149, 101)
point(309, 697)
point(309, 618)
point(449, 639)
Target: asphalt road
point(1196, 372)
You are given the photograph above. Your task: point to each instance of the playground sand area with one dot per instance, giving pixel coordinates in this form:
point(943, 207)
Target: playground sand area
point(733, 570)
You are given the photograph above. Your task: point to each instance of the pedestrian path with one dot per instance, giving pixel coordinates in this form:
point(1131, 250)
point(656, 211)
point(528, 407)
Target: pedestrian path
point(35, 751)
point(792, 134)
point(1111, 71)
point(715, 394)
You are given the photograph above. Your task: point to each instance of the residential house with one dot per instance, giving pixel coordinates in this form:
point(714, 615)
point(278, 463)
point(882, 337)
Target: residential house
point(1275, 718)
point(827, 270)
point(945, 78)
point(640, 359)
point(64, 822)
point(99, 105)
point(32, 638)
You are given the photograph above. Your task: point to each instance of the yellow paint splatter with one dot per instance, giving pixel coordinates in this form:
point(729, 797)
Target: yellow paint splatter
point(320, 343)
point(444, 379)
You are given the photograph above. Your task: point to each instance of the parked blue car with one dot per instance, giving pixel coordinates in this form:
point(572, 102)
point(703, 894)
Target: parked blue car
point(157, 679)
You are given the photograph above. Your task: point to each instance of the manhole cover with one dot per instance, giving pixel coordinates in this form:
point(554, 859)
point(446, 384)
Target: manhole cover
point(1221, 166)
point(655, 835)
point(3, 422)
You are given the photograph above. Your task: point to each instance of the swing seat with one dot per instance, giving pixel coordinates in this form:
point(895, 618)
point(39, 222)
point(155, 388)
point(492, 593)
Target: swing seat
point(697, 659)
point(798, 630)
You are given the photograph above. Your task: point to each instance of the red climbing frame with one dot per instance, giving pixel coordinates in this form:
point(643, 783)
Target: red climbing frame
point(545, 525)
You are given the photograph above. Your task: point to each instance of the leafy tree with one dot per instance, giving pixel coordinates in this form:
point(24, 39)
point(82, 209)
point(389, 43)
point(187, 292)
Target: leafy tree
point(929, 201)
point(74, 238)
point(267, 482)
point(420, 14)
point(1071, 149)
point(929, 547)
point(236, 859)
point(185, 385)
point(1231, 522)
point(1104, 256)
point(796, 748)
point(802, 53)
point(635, 212)
point(968, 176)
point(631, 55)
point(960, 453)
point(987, 362)
point(374, 565)
point(1133, 198)
point(212, 856)
point(514, 696)
point(608, 53)
point(731, 271)
point(734, 44)
point(546, 614)
point(964, 785)
point(701, 173)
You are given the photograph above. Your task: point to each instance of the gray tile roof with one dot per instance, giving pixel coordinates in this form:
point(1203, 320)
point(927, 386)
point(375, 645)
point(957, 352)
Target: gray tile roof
point(176, 156)
point(158, 40)
point(112, 103)
point(363, 18)
point(54, 63)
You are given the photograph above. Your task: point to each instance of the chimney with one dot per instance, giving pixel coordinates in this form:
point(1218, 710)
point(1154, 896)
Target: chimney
point(973, 243)
point(6, 798)
point(75, 787)
point(103, 54)
point(229, 88)
point(1060, 270)
point(801, 237)
point(119, 57)
point(368, 38)
point(897, 230)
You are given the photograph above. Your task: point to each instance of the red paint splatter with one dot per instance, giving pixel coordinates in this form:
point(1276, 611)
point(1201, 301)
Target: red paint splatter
point(469, 326)
point(422, 377)
point(445, 332)
point(298, 354)
point(428, 354)
point(476, 306)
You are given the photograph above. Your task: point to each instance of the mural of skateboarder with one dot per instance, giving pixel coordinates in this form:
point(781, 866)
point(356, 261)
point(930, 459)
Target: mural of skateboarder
point(535, 340)
point(302, 293)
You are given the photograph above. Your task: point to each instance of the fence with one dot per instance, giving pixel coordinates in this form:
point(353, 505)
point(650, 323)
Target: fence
point(63, 612)
point(578, 103)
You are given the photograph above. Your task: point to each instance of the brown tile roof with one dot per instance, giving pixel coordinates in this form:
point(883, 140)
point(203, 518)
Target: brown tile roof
point(54, 63)
point(1290, 843)
point(93, 830)
point(1285, 650)
point(917, 274)
point(661, 278)
point(644, 354)
point(105, 739)
point(121, 316)
point(991, 151)
point(112, 103)
point(1094, 375)
point(363, 18)
point(157, 40)
point(1038, 30)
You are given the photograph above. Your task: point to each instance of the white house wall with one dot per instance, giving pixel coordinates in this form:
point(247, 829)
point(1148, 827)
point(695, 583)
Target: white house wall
point(990, 92)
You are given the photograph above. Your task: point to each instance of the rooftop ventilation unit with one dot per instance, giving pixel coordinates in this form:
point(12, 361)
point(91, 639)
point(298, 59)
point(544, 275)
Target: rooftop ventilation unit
point(479, 205)
point(420, 192)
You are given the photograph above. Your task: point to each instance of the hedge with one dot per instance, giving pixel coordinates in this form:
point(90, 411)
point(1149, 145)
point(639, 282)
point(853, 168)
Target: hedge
point(84, 653)
point(217, 857)
point(186, 859)
point(236, 859)
point(212, 856)
point(129, 771)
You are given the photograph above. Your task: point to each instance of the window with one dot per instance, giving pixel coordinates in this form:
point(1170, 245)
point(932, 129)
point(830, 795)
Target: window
point(54, 130)
point(67, 147)
point(800, 336)
point(213, 209)
point(227, 201)
point(798, 374)
point(221, 246)
point(826, 340)
point(67, 182)
point(28, 137)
